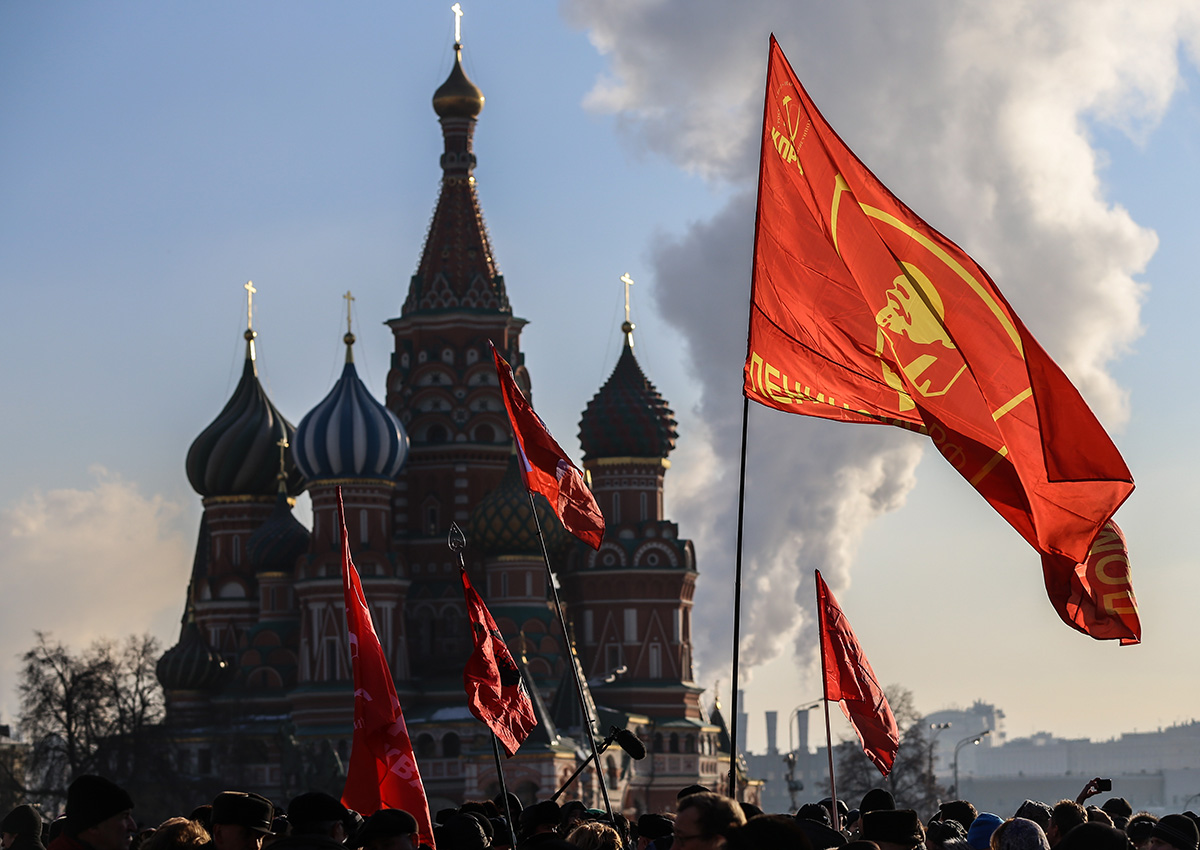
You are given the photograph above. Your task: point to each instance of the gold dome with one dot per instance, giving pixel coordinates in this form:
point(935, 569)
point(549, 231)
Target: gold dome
point(458, 97)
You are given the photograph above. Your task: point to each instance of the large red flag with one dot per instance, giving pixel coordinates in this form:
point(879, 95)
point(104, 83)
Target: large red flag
point(850, 681)
point(383, 769)
point(495, 690)
point(545, 467)
point(860, 311)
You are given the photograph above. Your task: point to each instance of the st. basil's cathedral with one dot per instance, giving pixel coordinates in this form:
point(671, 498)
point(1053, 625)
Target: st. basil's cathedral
point(259, 686)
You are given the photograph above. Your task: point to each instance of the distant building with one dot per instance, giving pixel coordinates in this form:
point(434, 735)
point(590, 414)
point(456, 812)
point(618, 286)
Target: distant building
point(258, 686)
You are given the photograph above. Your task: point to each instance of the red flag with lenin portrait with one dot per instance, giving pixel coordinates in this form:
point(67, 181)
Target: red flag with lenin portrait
point(383, 769)
point(862, 312)
point(850, 682)
point(495, 690)
point(545, 467)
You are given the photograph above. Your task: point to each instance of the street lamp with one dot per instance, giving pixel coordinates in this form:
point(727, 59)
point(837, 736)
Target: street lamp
point(793, 785)
point(937, 729)
point(970, 739)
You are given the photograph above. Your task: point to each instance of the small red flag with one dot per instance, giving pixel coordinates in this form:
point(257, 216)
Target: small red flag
point(545, 467)
point(383, 769)
point(862, 312)
point(850, 681)
point(495, 690)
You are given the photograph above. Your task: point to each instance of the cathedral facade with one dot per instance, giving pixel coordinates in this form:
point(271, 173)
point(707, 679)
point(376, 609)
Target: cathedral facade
point(259, 686)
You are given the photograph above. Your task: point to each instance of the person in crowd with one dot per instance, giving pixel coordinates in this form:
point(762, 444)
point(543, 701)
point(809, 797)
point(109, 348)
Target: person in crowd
point(1119, 810)
point(776, 832)
point(240, 820)
point(99, 816)
point(1174, 831)
point(962, 811)
point(462, 831)
point(979, 836)
point(704, 820)
point(387, 829)
point(652, 827)
point(1019, 834)
point(1095, 814)
point(939, 832)
point(539, 828)
point(177, 834)
point(1036, 811)
point(820, 834)
point(573, 813)
point(593, 835)
point(859, 844)
point(893, 829)
point(1139, 828)
point(877, 799)
point(21, 829)
point(317, 822)
point(1095, 836)
point(1065, 816)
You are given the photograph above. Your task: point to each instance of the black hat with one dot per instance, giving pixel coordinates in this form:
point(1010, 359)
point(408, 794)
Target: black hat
point(688, 791)
point(92, 799)
point(898, 826)
point(654, 826)
point(820, 835)
point(1117, 807)
point(501, 833)
point(23, 820)
point(316, 807)
point(875, 800)
point(385, 823)
point(541, 814)
point(464, 832)
point(238, 808)
point(1178, 831)
point(1035, 811)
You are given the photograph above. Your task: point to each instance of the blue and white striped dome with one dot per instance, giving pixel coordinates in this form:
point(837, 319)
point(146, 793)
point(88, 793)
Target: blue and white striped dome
point(350, 435)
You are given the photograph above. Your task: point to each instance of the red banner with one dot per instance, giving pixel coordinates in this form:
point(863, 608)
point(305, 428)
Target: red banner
point(383, 769)
point(850, 681)
point(545, 467)
point(860, 311)
point(1096, 596)
point(495, 690)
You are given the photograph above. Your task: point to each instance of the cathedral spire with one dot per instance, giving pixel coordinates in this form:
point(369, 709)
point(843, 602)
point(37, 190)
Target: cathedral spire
point(457, 270)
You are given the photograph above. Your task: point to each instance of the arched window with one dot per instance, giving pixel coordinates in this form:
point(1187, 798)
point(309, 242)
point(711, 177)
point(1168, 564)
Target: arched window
point(689, 743)
point(644, 499)
point(673, 745)
point(237, 549)
point(363, 530)
point(658, 742)
point(425, 746)
point(451, 746)
point(436, 434)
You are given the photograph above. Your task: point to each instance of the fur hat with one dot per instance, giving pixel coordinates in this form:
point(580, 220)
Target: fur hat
point(316, 807)
point(238, 808)
point(385, 823)
point(897, 826)
point(1178, 831)
point(654, 826)
point(92, 799)
point(875, 800)
point(23, 820)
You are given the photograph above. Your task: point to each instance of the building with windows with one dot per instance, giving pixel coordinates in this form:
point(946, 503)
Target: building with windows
point(258, 686)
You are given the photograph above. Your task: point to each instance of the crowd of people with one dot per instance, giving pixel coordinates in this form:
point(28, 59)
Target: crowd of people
point(99, 815)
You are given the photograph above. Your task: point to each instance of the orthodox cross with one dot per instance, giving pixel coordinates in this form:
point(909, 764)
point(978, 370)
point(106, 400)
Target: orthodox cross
point(458, 13)
point(348, 298)
point(250, 290)
point(628, 326)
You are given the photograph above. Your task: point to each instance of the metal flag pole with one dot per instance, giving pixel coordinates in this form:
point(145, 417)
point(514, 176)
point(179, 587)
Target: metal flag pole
point(569, 652)
point(737, 606)
point(833, 807)
point(457, 541)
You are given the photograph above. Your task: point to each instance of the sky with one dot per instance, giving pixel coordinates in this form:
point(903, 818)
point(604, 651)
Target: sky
point(154, 158)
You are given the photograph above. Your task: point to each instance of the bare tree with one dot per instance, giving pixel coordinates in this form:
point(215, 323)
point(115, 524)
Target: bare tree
point(910, 782)
point(89, 712)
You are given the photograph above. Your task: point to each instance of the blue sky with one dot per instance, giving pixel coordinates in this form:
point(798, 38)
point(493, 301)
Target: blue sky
point(154, 158)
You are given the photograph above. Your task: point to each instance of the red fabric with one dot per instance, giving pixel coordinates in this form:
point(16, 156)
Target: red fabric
point(850, 681)
point(545, 467)
point(495, 690)
point(1095, 596)
point(383, 769)
point(860, 311)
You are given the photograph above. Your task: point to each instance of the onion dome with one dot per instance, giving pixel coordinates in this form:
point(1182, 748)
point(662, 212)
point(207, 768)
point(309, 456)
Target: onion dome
point(458, 97)
point(350, 434)
point(279, 541)
point(501, 523)
point(628, 417)
point(191, 664)
point(236, 454)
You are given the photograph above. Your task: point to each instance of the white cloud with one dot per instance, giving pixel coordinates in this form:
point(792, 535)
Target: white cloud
point(106, 561)
point(979, 116)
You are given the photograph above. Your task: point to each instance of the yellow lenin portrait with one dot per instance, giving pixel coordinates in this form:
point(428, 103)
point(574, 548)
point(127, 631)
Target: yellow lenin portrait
point(911, 326)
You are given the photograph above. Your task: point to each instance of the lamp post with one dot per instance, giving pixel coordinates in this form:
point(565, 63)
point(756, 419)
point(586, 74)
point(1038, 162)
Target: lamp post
point(937, 729)
point(793, 785)
point(970, 739)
